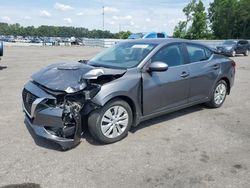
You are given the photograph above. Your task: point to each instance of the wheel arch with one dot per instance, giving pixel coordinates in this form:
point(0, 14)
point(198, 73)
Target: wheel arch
point(228, 83)
point(132, 105)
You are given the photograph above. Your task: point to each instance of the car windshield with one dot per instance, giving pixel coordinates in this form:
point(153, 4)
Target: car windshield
point(230, 42)
point(123, 55)
point(135, 36)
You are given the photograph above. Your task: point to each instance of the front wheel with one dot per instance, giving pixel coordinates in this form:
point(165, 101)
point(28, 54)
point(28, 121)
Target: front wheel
point(233, 54)
point(111, 122)
point(246, 53)
point(219, 95)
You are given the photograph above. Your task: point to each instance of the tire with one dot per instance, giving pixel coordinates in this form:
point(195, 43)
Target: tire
point(218, 102)
point(1, 48)
point(233, 53)
point(105, 127)
point(246, 53)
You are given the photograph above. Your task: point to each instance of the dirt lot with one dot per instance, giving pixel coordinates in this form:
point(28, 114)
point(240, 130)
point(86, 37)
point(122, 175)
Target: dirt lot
point(195, 147)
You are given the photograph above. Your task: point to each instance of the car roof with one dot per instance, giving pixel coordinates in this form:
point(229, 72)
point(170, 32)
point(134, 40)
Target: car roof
point(158, 41)
point(236, 40)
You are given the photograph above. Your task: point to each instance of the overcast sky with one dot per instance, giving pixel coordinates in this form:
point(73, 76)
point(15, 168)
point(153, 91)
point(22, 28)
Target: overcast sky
point(133, 15)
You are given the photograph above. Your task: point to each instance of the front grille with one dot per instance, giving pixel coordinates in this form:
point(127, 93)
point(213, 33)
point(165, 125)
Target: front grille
point(28, 99)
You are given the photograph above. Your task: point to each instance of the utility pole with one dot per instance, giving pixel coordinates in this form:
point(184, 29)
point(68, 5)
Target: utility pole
point(103, 18)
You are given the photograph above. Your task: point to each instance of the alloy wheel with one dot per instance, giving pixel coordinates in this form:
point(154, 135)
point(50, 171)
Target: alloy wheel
point(220, 94)
point(114, 121)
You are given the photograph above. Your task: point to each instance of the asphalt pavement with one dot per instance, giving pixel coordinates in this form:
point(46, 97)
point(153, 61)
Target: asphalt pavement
point(195, 147)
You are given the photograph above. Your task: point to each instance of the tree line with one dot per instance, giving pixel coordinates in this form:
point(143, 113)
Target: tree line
point(225, 19)
point(58, 31)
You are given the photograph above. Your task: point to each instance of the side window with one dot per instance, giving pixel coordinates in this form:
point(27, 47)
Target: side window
point(244, 42)
point(197, 53)
point(152, 35)
point(208, 53)
point(170, 55)
point(241, 42)
point(160, 35)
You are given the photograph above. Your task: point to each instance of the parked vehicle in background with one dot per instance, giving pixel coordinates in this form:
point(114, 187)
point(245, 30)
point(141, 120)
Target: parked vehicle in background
point(130, 82)
point(75, 41)
point(36, 40)
point(1, 48)
point(233, 47)
point(148, 35)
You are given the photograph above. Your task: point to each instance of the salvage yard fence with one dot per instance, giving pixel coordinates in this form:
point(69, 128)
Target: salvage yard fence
point(106, 43)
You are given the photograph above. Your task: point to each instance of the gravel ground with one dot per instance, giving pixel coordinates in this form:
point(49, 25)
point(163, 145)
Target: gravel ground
point(194, 147)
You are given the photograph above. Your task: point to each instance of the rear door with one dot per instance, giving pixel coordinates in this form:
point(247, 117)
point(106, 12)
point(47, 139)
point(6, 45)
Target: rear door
point(203, 72)
point(240, 47)
point(169, 89)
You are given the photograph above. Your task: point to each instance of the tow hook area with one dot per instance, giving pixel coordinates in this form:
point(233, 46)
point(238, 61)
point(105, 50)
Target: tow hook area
point(59, 117)
point(72, 122)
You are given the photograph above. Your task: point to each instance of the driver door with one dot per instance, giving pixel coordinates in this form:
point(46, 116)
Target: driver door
point(169, 89)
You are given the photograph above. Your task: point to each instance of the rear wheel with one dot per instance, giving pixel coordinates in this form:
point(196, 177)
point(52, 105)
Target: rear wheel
point(111, 122)
point(219, 95)
point(246, 53)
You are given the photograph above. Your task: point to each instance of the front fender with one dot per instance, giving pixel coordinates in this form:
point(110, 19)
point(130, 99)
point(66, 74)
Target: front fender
point(128, 86)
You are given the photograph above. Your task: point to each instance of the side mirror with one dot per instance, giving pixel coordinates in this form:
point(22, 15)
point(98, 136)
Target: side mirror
point(158, 66)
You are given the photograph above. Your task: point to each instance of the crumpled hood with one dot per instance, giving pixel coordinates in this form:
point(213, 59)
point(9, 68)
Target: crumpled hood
point(61, 76)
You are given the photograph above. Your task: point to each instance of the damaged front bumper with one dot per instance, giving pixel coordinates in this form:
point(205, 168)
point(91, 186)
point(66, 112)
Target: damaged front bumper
point(41, 131)
point(61, 123)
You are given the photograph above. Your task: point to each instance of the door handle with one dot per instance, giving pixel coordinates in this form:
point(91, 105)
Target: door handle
point(215, 67)
point(184, 74)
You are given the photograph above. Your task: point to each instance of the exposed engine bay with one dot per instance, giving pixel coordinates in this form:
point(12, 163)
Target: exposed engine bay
point(58, 99)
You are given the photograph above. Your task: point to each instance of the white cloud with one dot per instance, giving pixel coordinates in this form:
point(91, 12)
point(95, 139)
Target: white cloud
point(128, 17)
point(115, 17)
point(45, 13)
point(79, 14)
point(175, 21)
point(62, 7)
point(132, 23)
point(6, 19)
point(89, 12)
point(69, 20)
point(148, 20)
point(110, 9)
point(27, 18)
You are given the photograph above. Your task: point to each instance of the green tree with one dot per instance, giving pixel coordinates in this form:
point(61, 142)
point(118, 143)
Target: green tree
point(180, 30)
point(122, 34)
point(242, 29)
point(223, 15)
point(195, 25)
point(188, 11)
point(198, 29)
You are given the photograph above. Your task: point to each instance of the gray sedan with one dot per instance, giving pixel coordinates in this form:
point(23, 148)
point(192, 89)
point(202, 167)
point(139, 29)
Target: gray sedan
point(122, 86)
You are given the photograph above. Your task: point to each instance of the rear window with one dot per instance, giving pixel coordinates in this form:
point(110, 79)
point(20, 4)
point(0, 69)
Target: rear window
point(198, 53)
point(243, 42)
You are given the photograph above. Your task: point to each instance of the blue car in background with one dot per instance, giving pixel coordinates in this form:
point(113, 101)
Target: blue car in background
point(149, 35)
